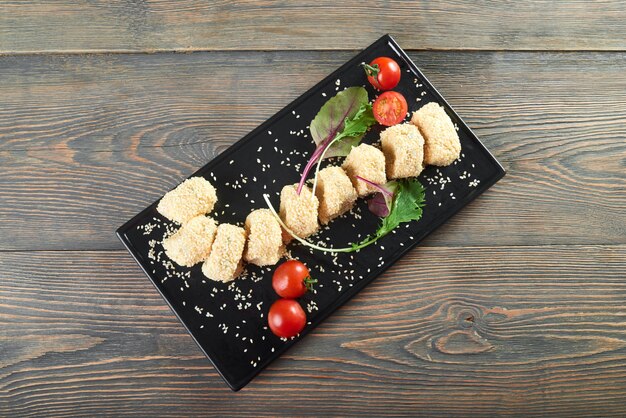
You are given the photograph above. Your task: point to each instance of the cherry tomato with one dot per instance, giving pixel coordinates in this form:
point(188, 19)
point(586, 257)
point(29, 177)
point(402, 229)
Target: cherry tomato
point(292, 279)
point(390, 108)
point(286, 318)
point(383, 73)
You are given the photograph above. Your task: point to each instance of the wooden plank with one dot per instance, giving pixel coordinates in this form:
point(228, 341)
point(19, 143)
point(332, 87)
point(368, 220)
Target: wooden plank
point(191, 25)
point(507, 330)
point(88, 141)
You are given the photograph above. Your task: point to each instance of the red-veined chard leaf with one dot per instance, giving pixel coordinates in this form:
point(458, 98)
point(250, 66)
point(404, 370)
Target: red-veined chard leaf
point(338, 126)
point(380, 203)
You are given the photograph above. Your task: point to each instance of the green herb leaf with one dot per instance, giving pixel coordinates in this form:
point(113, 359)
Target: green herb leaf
point(352, 133)
point(338, 126)
point(332, 116)
point(406, 207)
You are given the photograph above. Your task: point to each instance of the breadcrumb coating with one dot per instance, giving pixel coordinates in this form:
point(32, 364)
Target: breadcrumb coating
point(368, 162)
point(403, 146)
point(299, 213)
point(265, 244)
point(335, 193)
point(194, 196)
point(192, 242)
point(224, 263)
point(442, 145)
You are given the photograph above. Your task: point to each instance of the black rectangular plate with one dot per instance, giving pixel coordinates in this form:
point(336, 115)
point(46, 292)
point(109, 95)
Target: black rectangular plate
point(228, 321)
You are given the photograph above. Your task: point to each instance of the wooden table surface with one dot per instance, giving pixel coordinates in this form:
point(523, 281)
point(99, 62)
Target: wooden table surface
point(515, 307)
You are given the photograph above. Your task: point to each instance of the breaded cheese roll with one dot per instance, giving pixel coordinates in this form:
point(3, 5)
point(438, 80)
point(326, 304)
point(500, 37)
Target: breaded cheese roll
point(442, 145)
point(299, 213)
point(224, 263)
point(194, 196)
point(192, 242)
point(403, 146)
point(335, 193)
point(368, 162)
point(265, 242)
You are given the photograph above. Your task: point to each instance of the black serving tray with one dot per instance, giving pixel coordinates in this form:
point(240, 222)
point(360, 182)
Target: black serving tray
point(228, 321)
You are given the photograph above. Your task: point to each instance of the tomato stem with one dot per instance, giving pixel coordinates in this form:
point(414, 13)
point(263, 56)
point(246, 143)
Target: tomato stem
point(371, 70)
point(309, 282)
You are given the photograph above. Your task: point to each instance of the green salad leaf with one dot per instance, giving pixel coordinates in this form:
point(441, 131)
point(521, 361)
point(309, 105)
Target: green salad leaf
point(353, 130)
point(338, 126)
point(407, 206)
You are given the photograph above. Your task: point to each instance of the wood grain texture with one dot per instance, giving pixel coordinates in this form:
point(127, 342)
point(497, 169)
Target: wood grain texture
point(514, 307)
point(507, 330)
point(191, 25)
point(88, 141)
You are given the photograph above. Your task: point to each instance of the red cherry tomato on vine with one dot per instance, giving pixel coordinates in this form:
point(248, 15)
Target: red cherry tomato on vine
point(390, 108)
point(383, 73)
point(292, 279)
point(286, 318)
